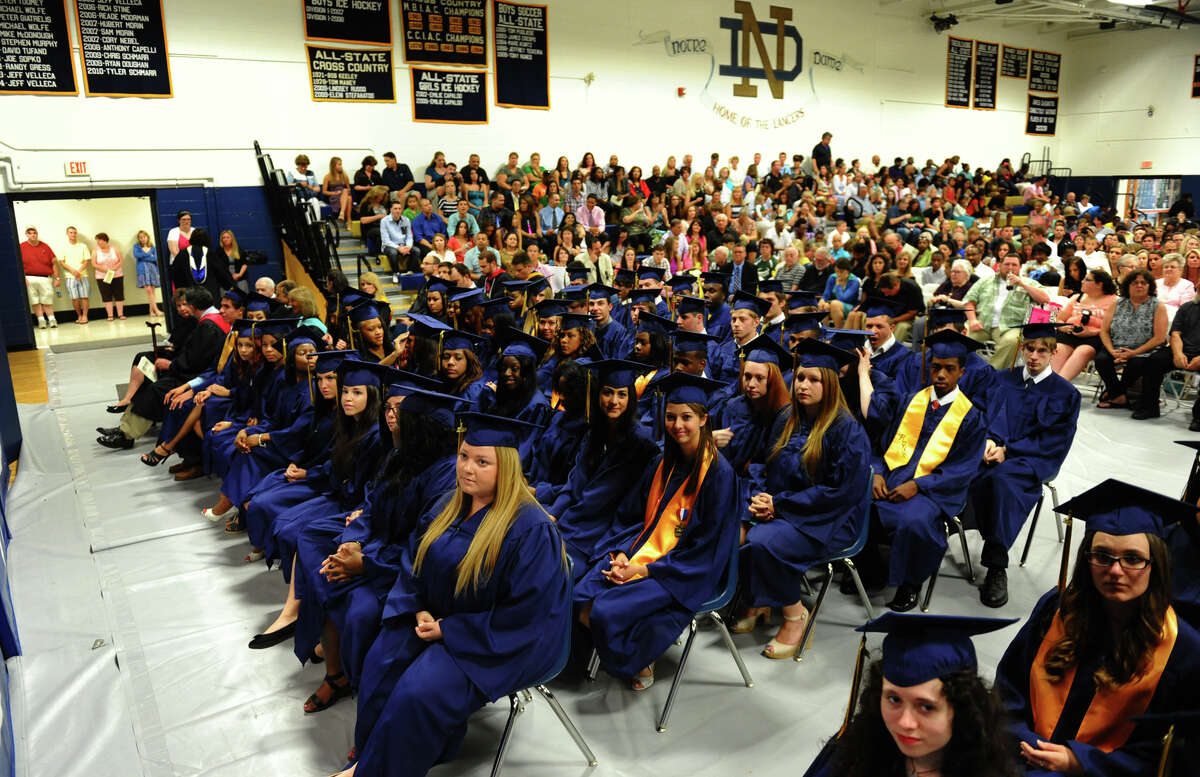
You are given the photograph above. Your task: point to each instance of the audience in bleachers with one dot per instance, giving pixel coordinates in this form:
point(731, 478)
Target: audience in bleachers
point(651, 372)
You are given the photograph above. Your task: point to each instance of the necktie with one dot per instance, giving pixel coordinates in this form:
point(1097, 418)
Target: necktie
point(1028, 383)
point(935, 404)
point(735, 283)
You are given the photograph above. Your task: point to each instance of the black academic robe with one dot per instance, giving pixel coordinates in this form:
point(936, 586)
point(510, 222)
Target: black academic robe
point(217, 277)
point(198, 354)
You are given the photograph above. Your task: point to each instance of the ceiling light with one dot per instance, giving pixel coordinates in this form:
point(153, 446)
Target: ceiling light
point(1138, 3)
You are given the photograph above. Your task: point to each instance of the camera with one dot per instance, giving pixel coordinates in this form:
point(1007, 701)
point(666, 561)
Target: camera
point(1084, 318)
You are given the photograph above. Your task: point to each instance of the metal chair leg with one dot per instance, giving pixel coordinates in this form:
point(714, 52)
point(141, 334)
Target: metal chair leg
point(929, 592)
point(1057, 518)
point(687, 648)
point(812, 615)
point(962, 540)
point(862, 591)
point(516, 706)
point(567, 724)
point(1037, 511)
point(733, 651)
point(593, 667)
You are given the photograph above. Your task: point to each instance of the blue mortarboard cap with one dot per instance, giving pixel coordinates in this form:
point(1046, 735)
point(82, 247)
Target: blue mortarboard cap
point(352, 297)
point(576, 321)
point(949, 344)
point(683, 387)
point(237, 295)
point(494, 307)
point(427, 327)
point(722, 278)
point(649, 322)
point(649, 271)
point(919, 648)
point(685, 305)
point(518, 343)
point(438, 285)
point(692, 342)
point(643, 295)
point(941, 316)
point(770, 286)
point(328, 361)
point(744, 301)
point(682, 283)
point(600, 291)
point(469, 299)
point(617, 373)
point(574, 294)
point(804, 322)
point(625, 277)
point(302, 335)
point(537, 284)
point(431, 404)
point(456, 339)
point(578, 273)
point(493, 430)
point(247, 327)
point(402, 383)
point(258, 302)
point(764, 349)
point(517, 285)
point(847, 339)
point(1119, 508)
point(356, 372)
point(802, 299)
point(277, 327)
point(881, 306)
point(365, 311)
point(548, 308)
point(413, 281)
point(1034, 331)
point(812, 352)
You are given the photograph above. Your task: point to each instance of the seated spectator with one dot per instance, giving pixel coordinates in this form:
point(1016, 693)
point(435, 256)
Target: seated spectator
point(1136, 328)
point(365, 178)
point(1173, 289)
point(1183, 353)
point(841, 293)
point(937, 271)
point(907, 300)
point(1071, 284)
point(496, 216)
point(397, 177)
point(472, 257)
point(817, 273)
point(427, 224)
point(1114, 625)
point(1080, 322)
point(1125, 265)
point(999, 304)
point(462, 213)
point(395, 233)
point(336, 187)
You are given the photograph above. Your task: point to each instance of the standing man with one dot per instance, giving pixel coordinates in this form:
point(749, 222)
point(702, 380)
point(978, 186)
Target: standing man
point(1031, 417)
point(75, 260)
point(996, 307)
point(822, 156)
point(395, 232)
point(37, 258)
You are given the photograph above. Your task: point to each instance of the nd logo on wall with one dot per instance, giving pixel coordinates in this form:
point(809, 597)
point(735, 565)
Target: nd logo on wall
point(747, 31)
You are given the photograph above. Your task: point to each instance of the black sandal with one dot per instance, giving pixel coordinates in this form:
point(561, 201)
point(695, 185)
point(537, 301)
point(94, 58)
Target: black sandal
point(314, 703)
point(236, 524)
point(154, 458)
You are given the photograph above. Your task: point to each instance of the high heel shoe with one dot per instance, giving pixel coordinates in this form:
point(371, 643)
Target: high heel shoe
point(750, 622)
point(214, 517)
point(780, 650)
point(154, 458)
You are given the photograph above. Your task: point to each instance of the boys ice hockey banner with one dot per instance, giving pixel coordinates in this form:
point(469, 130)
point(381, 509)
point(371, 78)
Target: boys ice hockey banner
point(522, 67)
point(449, 96)
point(360, 21)
point(444, 32)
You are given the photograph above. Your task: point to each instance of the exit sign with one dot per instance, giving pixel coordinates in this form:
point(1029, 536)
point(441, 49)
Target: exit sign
point(1147, 165)
point(76, 168)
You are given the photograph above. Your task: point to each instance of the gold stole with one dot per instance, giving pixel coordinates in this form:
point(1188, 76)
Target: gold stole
point(675, 517)
point(640, 383)
point(901, 450)
point(1106, 725)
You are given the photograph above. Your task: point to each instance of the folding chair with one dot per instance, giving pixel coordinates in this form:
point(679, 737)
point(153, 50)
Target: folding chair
point(845, 557)
point(1037, 511)
point(962, 538)
point(518, 699)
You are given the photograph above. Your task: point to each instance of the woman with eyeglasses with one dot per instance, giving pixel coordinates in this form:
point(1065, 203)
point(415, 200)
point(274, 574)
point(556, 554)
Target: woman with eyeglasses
point(1107, 647)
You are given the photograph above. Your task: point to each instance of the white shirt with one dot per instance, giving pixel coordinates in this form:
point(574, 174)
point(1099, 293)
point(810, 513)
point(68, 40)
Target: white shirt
point(983, 272)
point(888, 343)
point(1036, 378)
point(1002, 293)
point(1095, 260)
point(943, 401)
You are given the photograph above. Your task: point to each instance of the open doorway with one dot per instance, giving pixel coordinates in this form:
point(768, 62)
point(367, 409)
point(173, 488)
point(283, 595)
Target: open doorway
point(107, 289)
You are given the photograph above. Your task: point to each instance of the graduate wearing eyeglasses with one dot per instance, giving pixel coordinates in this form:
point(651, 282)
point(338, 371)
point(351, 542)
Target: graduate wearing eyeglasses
point(1106, 646)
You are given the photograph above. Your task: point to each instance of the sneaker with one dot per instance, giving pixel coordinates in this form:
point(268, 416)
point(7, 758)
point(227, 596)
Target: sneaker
point(41, 323)
point(994, 591)
point(53, 323)
point(396, 278)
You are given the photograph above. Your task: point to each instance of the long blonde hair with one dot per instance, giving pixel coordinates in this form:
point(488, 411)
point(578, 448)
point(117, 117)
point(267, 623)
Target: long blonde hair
point(512, 493)
point(233, 246)
point(833, 404)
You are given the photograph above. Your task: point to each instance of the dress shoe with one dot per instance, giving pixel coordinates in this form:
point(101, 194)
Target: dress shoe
point(118, 441)
point(906, 598)
point(115, 408)
point(108, 431)
point(191, 472)
point(780, 650)
point(994, 591)
point(1142, 415)
point(261, 641)
point(748, 623)
point(1194, 426)
point(180, 467)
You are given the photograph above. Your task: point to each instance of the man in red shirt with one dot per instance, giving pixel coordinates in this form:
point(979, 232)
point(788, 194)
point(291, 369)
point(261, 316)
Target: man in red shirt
point(40, 278)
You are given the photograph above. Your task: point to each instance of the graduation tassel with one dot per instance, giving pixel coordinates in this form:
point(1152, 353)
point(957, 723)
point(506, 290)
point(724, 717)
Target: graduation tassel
point(1066, 557)
point(859, 665)
point(661, 412)
point(1016, 351)
point(1164, 761)
point(227, 348)
point(923, 378)
point(308, 368)
point(460, 430)
point(441, 337)
point(587, 408)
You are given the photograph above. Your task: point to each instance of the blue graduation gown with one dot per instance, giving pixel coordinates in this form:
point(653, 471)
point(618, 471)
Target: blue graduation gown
point(554, 451)
point(614, 340)
point(536, 411)
point(274, 493)
point(752, 438)
point(918, 539)
point(1185, 574)
point(545, 374)
point(881, 409)
point(356, 605)
point(896, 361)
point(1140, 753)
point(716, 322)
point(415, 696)
point(291, 428)
point(976, 382)
point(585, 507)
point(726, 367)
point(247, 395)
point(621, 314)
point(1036, 427)
point(633, 623)
point(813, 517)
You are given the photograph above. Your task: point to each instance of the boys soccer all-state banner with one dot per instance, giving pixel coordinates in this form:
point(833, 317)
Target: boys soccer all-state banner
point(522, 67)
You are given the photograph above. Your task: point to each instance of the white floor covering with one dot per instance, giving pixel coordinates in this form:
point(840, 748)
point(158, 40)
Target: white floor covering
point(134, 614)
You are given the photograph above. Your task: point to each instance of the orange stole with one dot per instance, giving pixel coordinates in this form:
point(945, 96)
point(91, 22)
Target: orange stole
point(675, 517)
point(640, 383)
point(1106, 725)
